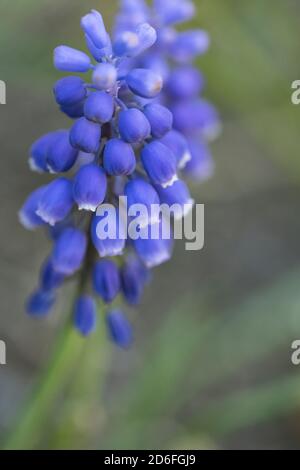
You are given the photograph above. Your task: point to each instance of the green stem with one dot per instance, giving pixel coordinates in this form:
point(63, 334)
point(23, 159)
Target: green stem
point(27, 432)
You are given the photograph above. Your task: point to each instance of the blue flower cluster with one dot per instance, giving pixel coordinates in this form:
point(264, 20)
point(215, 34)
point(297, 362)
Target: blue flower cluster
point(123, 140)
point(172, 56)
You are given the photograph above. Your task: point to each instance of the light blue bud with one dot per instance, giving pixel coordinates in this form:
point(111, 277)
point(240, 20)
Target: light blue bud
point(67, 59)
point(174, 11)
point(189, 44)
point(93, 25)
point(105, 76)
point(144, 83)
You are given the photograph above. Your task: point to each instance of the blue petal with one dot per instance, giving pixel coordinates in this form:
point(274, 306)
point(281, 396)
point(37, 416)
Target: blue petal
point(144, 83)
point(133, 125)
point(189, 44)
point(27, 214)
point(160, 118)
point(176, 142)
point(159, 163)
point(85, 315)
point(105, 76)
point(85, 135)
point(40, 303)
point(49, 278)
point(119, 328)
point(89, 188)
point(56, 202)
point(108, 237)
point(106, 280)
point(69, 251)
point(93, 25)
point(71, 60)
point(185, 83)
point(99, 107)
point(61, 155)
point(69, 91)
point(201, 166)
point(119, 158)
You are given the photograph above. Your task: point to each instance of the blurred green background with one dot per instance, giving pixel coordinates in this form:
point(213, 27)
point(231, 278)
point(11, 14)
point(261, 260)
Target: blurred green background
point(211, 365)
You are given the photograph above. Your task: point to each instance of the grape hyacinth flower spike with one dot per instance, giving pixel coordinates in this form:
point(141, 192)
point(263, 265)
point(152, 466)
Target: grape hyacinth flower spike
point(120, 145)
point(195, 119)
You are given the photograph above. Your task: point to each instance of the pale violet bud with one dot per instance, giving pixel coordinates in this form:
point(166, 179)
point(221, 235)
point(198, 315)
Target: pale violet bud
point(189, 44)
point(93, 25)
point(159, 163)
point(56, 202)
point(98, 54)
point(69, 251)
point(144, 83)
point(67, 59)
point(185, 83)
point(174, 11)
point(89, 187)
point(105, 76)
point(147, 37)
point(133, 43)
point(201, 165)
point(85, 135)
point(126, 44)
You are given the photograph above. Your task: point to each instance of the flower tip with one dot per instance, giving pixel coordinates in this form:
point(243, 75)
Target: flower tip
point(170, 182)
